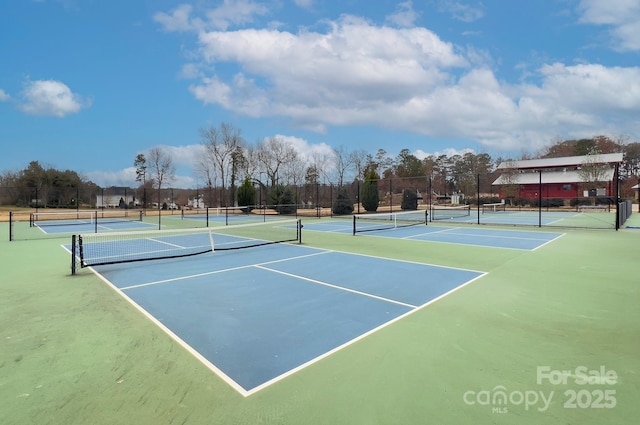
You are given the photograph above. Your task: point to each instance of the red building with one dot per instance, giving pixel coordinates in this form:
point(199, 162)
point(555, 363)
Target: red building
point(565, 178)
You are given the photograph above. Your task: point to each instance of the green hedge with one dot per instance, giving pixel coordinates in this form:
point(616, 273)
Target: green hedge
point(343, 203)
point(409, 200)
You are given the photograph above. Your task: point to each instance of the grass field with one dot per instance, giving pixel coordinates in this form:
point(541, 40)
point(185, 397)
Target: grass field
point(75, 352)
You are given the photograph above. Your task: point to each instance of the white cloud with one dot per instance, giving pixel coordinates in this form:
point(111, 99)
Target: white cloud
point(127, 178)
point(178, 20)
point(183, 156)
point(52, 98)
point(593, 88)
point(190, 71)
point(408, 79)
point(460, 11)
point(305, 4)
point(4, 96)
point(235, 12)
point(405, 15)
point(184, 159)
point(622, 16)
point(229, 13)
point(420, 154)
point(355, 66)
point(305, 150)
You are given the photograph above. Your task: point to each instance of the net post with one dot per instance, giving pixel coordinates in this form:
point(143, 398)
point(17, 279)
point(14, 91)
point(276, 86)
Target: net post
point(426, 217)
point(617, 189)
point(212, 241)
point(299, 229)
point(73, 254)
point(477, 198)
point(80, 250)
point(95, 220)
point(10, 226)
point(354, 225)
point(430, 188)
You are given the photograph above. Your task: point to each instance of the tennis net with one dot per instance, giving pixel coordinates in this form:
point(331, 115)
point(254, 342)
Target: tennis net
point(494, 207)
point(227, 215)
point(82, 217)
point(391, 220)
point(448, 213)
point(125, 247)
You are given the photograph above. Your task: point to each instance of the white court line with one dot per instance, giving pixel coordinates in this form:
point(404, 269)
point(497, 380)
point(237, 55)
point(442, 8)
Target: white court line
point(404, 261)
point(232, 383)
point(549, 241)
point(166, 243)
point(453, 229)
point(448, 229)
point(193, 276)
point(342, 288)
point(356, 339)
point(138, 225)
point(226, 378)
point(475, 235)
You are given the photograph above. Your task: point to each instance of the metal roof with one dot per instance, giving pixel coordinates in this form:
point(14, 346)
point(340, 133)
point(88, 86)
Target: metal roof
point(548, 177)
point(567, 161)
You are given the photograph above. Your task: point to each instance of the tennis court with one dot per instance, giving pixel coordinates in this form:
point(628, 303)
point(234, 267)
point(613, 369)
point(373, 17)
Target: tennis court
point(594, 218)
point(485, 237)
point(42, 225)
point(382, 327)
point(216, 216)
point(71, 226)
point(256, 315)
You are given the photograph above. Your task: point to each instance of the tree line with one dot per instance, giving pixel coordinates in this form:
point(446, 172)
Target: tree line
point(41, 186)
point(228, 162)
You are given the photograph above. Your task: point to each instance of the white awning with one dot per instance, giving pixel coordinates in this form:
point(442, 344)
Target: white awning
point(549, 177)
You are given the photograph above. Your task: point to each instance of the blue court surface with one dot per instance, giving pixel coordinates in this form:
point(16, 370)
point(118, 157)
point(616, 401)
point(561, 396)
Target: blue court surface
point(477, 236)
point(531, 218)
point(257, 315)
point(221, 218)
point(79, 226)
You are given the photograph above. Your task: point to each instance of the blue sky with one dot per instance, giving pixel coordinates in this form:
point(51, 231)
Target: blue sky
point(87, 85)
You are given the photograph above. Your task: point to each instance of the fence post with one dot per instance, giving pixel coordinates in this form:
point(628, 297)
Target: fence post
point(617, 177)
point(478, 197)
point(540, 199)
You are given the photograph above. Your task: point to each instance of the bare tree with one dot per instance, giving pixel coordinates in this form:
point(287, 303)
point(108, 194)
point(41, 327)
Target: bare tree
point(208, 174)
point(343, 160)
point(162, 169)
point(509, 179)
point(359, 159)
point(251, 165)
point(222, 146)
point(295, 171)
point(238, 163)
point(321, 161)
point(273, 154)
point(593, 171)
